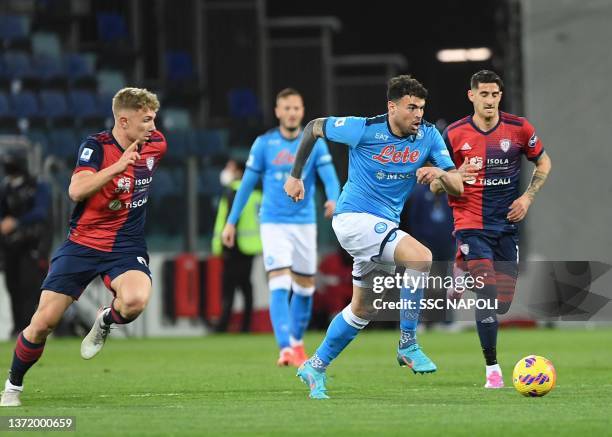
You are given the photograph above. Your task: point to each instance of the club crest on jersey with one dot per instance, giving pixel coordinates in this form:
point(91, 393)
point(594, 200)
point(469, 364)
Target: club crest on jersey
point(465, 249)
point(150, 162)
point(390, 154)
point(505, 145)
point(533, 140)
point(283, 157)
point(123, 185)
point(420, 134)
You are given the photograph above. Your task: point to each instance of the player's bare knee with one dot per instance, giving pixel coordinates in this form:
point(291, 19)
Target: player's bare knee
point(364, 309)
point(133, 305)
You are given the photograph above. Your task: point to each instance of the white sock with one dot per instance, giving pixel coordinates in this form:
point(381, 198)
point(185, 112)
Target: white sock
point(493, 368)
point(293, 342)
point(10, 387)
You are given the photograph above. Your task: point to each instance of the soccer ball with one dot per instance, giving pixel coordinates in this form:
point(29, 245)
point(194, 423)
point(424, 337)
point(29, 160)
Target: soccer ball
point(534, 376)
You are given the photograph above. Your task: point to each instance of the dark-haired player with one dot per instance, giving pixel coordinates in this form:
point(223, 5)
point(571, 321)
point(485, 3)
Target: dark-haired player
point(487, 213)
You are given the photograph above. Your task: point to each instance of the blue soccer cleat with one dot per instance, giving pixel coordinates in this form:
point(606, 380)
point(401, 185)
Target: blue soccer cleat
point(413, 357)
point(314, 379)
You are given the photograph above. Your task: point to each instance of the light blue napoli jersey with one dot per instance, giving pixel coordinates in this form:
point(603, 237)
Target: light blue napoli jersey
point(382, 167)
point(272, 156)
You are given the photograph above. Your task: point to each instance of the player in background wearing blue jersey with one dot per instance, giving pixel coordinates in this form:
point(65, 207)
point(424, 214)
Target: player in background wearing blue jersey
point(387, 155)
point(288, 230)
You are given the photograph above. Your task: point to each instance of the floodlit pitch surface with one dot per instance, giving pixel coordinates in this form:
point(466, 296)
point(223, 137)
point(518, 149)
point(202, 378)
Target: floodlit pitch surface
point(229, 385)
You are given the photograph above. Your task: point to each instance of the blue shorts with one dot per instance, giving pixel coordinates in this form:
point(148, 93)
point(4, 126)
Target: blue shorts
point(74, 266)
point(484, 244)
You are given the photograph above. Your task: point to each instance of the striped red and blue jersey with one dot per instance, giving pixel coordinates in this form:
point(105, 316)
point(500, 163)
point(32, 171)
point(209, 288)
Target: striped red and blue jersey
point(113, 219)
point(497, 154)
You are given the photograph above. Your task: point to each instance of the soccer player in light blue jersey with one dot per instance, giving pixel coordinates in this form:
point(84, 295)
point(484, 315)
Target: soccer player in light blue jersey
point(387, 156)
point(288, 230)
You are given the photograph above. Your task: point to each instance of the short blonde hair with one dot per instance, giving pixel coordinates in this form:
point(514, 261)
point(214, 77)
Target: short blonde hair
point(135, 98)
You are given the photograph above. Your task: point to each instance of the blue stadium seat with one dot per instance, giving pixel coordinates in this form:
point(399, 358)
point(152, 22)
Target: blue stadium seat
point(50, 70)
point(110, 81)
point(18, 65)
point(40, 137)
point(176, 119)
point(209, 142)
point(79, 65)
point(64, 143)
point(179, 66)
point(25, 105)
point(54, 106)
point(47, 44)
point(14, 27)
point(111, 26)
point(84, 104)
point(208, 181)
point(179, 143)
point(243, 103)
point(5, 108)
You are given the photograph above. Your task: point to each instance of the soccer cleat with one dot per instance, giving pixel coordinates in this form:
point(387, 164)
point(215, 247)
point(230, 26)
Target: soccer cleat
point(285, 357)
point(494, 377)
point(299, 355)
point(413, 357)
point(314, 379)
point(10, 395)
point(94, 341)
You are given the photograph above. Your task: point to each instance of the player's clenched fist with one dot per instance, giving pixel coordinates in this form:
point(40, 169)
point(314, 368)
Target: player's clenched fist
point(294, 188)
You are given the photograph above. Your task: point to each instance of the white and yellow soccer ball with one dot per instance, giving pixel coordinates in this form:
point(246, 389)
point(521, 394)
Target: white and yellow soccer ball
point(534, 376)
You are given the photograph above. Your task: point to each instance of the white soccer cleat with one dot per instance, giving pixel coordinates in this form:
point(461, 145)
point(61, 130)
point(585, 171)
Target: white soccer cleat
point(10, 395)
point(94, 341)
point(494, 377)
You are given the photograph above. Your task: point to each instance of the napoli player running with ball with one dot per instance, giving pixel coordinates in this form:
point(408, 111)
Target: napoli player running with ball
point(110, 184)
point(387, 155)
point(288, 230)
point(487, 213)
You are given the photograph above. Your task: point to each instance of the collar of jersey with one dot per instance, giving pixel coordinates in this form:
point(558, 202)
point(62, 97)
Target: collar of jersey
point(489, 131)
point(288, 139)
point(410, 138)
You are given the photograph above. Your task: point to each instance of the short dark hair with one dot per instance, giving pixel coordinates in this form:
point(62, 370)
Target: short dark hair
point(405, 85)
point(485, 76)
point(286, 92)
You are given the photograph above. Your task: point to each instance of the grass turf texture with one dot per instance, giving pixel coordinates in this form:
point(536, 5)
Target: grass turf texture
point(229, 385)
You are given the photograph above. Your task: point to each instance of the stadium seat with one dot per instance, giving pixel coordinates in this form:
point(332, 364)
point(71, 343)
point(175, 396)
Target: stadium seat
point(7, 118)
point(54, 106)
point(17, 65)
point(209, 142)
point(208, 181)
point(110, 81)
point(179, 66)
point(243, 103)
point(50, 71)
point(47, 44)
point(14, 27)
point(64, 143)
point(111, 26)
point(80, 68)
point(176, 119)
point(85, 109)
point(25, 105)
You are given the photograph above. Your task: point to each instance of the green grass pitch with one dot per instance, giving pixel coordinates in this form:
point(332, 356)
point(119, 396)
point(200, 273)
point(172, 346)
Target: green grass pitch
point(229, 385)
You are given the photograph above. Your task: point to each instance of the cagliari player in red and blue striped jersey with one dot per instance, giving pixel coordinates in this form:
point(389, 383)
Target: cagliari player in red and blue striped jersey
point(110, 184)
point(487, 213)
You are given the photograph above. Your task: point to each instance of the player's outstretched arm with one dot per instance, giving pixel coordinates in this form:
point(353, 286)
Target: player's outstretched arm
point(468, 172)
point(86, 183)
point(294, 186)
point(247, 185)
point(519, 208)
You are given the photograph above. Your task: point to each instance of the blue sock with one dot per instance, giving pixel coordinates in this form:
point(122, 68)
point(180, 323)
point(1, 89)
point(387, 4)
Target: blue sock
point(279, 316)
point(300, 309)
point(409, 318)
point(339, 334)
